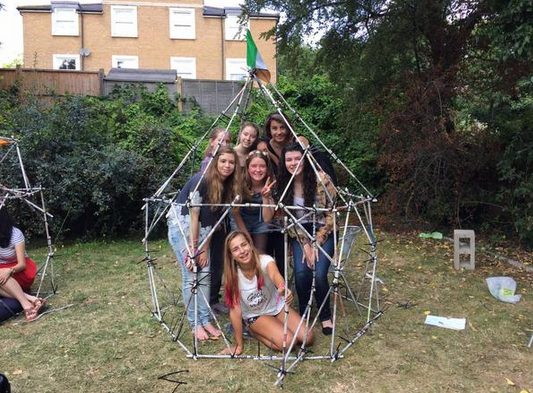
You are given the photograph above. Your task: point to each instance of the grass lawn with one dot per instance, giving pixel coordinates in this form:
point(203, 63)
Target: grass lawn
point(107, 340)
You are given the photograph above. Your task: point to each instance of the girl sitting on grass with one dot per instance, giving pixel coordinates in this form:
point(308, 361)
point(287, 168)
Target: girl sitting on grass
point(255, 292)
point(17, 271)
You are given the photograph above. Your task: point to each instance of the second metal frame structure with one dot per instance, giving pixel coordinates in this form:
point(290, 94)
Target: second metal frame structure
point(34, 198)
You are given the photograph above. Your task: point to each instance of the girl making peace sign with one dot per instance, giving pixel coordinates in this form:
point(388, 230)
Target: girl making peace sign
point(258, 190)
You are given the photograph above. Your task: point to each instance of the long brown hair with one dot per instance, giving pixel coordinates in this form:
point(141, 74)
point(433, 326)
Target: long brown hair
point(247, 189)
point(6, 228)
point(309, 177)
point(218, 190)
point(280, 119)
point(231, 276)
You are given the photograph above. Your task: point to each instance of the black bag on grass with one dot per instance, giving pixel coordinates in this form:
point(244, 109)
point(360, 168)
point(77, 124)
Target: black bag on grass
point(8, 308)
point(5, 387)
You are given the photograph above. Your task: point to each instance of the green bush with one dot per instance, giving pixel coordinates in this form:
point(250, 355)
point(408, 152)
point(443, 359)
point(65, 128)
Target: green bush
point(97, 157)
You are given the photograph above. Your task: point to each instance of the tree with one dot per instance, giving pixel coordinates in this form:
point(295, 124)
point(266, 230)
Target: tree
point(407, 71)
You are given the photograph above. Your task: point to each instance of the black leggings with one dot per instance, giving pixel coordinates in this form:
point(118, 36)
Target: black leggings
point(276, 249)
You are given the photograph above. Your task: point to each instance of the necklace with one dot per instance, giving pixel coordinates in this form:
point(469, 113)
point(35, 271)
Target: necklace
point(248, 273)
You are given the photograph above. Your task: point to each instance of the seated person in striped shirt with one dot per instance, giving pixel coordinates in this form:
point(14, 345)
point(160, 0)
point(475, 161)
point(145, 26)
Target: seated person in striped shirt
point(17, 271)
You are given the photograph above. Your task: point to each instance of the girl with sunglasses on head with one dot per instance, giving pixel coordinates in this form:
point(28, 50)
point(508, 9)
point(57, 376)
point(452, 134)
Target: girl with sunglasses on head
point(309, 189)
point(246, 141)
point(220, 185)
point(255, 292)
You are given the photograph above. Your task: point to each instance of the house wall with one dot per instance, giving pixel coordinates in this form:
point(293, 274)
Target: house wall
point(153, 46)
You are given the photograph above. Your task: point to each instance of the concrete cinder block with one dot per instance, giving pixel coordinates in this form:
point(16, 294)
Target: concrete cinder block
point(464, 249)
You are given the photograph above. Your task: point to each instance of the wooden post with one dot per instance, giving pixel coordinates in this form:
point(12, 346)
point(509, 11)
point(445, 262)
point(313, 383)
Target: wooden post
point(179, 92)
point(101, 81)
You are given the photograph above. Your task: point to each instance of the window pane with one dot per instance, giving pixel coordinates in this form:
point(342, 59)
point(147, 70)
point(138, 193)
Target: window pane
point(236, 69)
point(232, 28)
point(182, 23)
point(184, 66)
point(124, 21)
point(66, 62)
point(124, 61)
point(65, 21)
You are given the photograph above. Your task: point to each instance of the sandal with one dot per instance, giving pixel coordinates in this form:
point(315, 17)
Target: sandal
point(214, 333)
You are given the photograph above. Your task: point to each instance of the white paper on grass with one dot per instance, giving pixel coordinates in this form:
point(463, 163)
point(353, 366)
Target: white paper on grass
point(448, 323)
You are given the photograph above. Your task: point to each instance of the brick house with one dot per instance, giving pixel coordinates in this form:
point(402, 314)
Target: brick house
point(198, 41)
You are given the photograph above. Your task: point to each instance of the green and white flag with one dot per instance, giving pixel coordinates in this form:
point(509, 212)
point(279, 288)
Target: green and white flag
point(254, 59)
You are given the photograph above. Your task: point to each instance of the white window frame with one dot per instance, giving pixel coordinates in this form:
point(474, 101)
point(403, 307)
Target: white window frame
point(232, 29)
point(125, 26)
point(236, 69)
point(182, 23)
point(131, 61)
point(65, 21)
point(58, 59)
point(187, 69)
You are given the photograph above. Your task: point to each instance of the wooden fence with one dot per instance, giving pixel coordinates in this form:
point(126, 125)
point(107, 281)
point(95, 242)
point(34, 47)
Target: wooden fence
point(212, 96)
point(53, 82)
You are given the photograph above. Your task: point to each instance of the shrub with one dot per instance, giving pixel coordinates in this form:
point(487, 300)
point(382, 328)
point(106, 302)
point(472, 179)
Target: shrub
point(97, 157)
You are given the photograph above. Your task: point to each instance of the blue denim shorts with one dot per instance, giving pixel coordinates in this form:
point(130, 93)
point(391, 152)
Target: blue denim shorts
point(250, 321)
point(252, 224)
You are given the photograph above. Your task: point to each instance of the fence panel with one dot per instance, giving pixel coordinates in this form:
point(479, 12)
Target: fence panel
point(53, 82)
point(211, 95)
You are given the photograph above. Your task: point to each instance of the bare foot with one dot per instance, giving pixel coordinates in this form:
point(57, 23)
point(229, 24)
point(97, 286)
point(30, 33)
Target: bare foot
point(233, 350)
point(200, 333)
point(213, 331)
point(38, 304)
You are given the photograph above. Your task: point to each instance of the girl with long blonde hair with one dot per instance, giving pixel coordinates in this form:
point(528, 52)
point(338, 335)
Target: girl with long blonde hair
point(255, 292)
point(219, 186)
point(246, 141)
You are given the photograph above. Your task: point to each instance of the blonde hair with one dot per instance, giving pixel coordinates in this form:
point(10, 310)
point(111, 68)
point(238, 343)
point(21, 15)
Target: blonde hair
point(219, 190)
point(231, 276)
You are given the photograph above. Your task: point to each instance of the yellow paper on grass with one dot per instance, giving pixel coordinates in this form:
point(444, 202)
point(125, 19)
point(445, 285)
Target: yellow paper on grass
point(509, 382)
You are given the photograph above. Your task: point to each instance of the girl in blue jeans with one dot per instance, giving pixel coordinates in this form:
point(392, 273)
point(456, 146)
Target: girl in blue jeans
point(189, 227)
point(307, 188)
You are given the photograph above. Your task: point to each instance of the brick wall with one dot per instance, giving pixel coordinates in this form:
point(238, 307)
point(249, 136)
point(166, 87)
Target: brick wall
point(152, 46)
